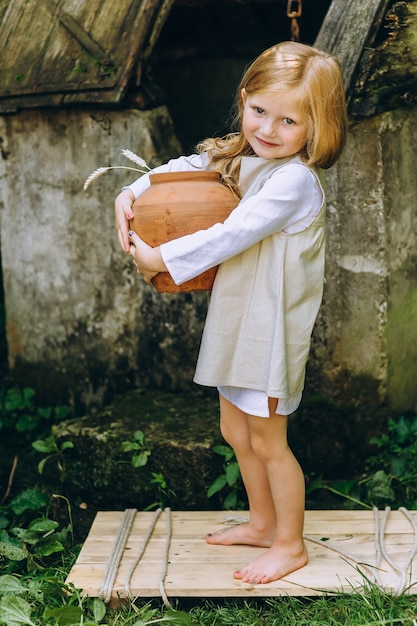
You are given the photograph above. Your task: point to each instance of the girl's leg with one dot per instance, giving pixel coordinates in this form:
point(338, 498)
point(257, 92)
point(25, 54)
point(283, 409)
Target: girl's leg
point(286, 481)
point(260, 530)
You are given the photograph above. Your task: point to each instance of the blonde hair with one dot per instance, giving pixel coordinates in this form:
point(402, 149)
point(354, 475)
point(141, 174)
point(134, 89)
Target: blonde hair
point(316, 80)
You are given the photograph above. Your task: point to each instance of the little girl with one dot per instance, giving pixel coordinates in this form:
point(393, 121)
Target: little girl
point(292, 123)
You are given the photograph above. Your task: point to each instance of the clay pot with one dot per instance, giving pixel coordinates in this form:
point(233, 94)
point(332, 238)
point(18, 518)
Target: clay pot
point(177, 204)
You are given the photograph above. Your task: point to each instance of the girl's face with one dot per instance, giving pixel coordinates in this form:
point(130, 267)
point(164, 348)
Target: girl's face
point(273, 124)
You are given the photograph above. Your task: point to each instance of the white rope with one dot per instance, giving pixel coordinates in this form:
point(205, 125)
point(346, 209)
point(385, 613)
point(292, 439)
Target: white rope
point(122, 536)
point(381, 551)
point(165, 559)
point(107, 582)
point(145, 542)
point(401, 570)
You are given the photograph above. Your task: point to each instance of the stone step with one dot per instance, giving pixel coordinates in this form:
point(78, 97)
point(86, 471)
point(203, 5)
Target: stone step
point(179, 431)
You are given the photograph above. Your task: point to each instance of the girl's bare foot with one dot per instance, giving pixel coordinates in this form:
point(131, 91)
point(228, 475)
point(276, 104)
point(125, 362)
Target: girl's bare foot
point(242, 534)
point(273, 565)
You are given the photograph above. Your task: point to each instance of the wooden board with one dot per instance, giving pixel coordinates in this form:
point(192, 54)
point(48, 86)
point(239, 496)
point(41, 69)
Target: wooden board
point(347, 28)
point(197, 569)
point(65, 51)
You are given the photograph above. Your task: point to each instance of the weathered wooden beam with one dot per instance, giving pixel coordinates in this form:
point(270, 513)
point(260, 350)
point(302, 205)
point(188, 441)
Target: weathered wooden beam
point(78, 32)
point(348, 27)
point(386, 77)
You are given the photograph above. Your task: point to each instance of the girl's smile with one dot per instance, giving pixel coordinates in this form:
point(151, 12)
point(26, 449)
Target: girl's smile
point(273, 124)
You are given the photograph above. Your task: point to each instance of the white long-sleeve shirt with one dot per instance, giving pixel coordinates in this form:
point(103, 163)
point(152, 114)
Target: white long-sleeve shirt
point(288, 202)
point(256, 339)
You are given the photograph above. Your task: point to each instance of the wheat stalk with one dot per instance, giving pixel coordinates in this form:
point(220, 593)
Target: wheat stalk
point(143, 168)
point(135, 158)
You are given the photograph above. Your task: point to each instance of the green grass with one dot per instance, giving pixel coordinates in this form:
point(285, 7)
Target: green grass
point(37, 552)
point(41, 598)
point(370, 608)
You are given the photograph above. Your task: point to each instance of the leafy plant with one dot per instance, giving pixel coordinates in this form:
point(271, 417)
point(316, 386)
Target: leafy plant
point(45, 600)
point(54, 452)
point(391, 475)
point(164, 494)
point(397, 459)
point(140, 458)
point(19, 413)
point(230, 481)
point(27, 535)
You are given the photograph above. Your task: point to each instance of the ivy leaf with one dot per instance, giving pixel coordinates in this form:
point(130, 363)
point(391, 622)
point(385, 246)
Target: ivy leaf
point(15, 611)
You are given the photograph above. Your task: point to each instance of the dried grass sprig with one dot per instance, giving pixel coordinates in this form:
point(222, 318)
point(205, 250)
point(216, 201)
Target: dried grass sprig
point(135, 158)
point(143, 168)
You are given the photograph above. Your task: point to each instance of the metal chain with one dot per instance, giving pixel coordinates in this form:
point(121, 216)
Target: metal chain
point(293, 14)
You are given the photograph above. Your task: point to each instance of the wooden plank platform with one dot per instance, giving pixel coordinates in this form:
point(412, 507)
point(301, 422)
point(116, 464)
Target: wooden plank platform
point(197, 569)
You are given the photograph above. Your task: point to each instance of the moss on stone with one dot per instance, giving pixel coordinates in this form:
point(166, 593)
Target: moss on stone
point(180, 431)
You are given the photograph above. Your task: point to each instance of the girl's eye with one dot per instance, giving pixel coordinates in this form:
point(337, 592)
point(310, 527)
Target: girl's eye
point(259, 110)
point(288, 121)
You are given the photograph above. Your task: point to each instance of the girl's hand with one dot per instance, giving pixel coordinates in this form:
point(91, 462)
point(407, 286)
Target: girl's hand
point(124, 213)
point(148, 260)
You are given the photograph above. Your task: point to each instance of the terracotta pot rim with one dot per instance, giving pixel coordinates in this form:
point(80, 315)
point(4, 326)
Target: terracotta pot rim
point(164, 177)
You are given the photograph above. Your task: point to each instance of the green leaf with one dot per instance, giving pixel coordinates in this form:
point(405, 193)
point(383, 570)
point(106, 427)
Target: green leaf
point(29, 500)
point(64, 615)
point(222, 450)
point(15, 400)
point(380, 488)
point(43, 525)
point(44, 413)
point(11, 585)
point(46, 446)
point(12, 552)
point(28, 394)
point(230, 501)
point(139, 436)
point(128, 446)
point(179, 618)
point(139, 460)
point(99, 609)
point(41, 464)
point(48, 546)
point(4, 522)
point(217, 485)
point(61, 412)
point(27, 422)
point(398, 466)
point(67, 445)
point(232, 473)
point(15, 610)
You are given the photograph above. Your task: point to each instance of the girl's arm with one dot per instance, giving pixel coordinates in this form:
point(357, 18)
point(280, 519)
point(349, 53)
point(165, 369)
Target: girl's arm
point(123, 210)
point(125, 199)
point(147, 260)
point(289, 199)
